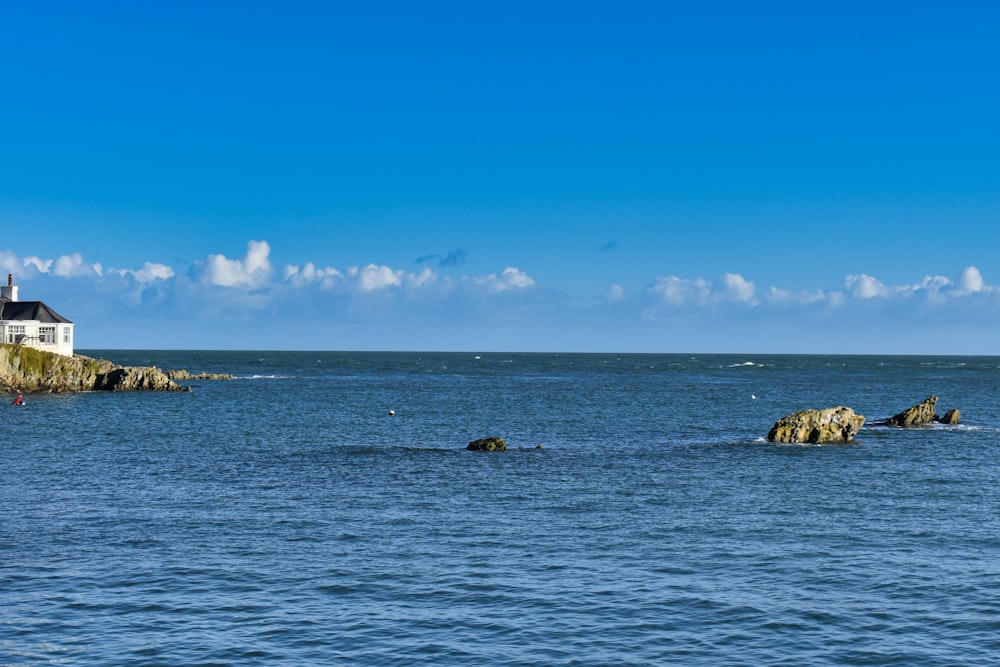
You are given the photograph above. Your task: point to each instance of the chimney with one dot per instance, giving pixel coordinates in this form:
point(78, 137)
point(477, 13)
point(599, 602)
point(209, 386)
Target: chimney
point(9, 291)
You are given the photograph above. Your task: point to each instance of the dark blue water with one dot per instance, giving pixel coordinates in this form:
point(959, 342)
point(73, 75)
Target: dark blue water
point(284, 518)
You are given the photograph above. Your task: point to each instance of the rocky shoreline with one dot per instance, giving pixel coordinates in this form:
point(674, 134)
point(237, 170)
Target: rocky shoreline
point(27, 370)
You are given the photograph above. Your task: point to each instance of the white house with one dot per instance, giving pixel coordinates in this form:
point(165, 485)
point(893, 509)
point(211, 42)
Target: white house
point(32, 323)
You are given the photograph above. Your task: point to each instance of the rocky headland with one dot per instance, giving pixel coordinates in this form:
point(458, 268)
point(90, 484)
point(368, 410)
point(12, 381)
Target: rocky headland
point(27, 370)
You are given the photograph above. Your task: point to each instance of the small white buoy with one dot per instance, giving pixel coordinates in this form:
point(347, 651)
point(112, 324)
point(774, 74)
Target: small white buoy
point(753, 397)
point(392, 413)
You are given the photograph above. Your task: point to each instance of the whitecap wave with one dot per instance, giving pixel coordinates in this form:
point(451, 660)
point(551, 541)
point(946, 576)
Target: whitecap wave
point(958, 427)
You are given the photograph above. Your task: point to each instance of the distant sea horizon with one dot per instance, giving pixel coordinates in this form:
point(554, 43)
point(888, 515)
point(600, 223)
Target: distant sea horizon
point(89, 350)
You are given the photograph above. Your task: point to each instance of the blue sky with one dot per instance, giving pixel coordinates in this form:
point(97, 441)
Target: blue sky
point(552, 176)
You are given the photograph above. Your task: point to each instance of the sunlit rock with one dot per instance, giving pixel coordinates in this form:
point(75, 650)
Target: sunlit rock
point(951, 417)
point(839, 424)
point(919, 415)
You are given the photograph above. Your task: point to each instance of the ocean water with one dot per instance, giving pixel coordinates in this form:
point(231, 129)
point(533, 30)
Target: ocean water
point(285, 518)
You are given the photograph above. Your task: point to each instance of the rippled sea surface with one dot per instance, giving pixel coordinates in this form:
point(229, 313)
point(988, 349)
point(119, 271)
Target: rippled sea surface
point(285, 518)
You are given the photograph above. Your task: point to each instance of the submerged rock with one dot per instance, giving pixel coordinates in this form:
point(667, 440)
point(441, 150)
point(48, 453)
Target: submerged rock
point(488, 445)
point(839, 424)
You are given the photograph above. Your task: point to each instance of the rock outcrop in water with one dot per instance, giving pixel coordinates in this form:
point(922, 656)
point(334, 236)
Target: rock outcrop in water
point(919, 415)
point(922, 414)
point(488, 445)
point(25, 369)
point(185, 375)
point(951, 417)
point(839, 424)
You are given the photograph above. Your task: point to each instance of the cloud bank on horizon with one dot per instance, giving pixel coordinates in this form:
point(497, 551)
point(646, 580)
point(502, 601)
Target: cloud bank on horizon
point(416, 304)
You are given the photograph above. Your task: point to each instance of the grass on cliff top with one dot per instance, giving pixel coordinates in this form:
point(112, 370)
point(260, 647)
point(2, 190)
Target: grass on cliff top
point(30, 360)
point(40, 362)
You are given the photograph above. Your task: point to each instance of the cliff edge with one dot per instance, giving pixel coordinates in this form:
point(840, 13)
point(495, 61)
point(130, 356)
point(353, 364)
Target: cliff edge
point(24, 369)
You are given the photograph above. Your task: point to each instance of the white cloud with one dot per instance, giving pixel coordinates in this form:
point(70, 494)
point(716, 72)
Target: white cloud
point(41, 265)
point(376, 278)
point(308, 274)
point(971, 281)
point(736, 288)
point(614, 293)
point(257, 256)
point(783, 297)
point(730, 288)
point(676, 291)
point(373, 278)
point(9, 261)
point(425, 278)
point(516, 279)
point(865, 287)
point(932, 289)
point(254, 270)
point(928, 284)
point(150, 272)
point(837, 299)
point(69, 266)
point(66, 266)
point(509, 279)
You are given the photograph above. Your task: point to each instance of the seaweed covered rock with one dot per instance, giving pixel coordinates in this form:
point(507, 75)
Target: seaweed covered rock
point(839, 424)
point(488, 445)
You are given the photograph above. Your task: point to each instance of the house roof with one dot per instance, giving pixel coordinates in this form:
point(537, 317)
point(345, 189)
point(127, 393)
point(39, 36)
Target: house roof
point(29, 310)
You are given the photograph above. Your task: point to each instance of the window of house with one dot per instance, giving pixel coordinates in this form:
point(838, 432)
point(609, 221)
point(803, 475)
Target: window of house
point(66, 334)
point(47, 335)
point(14, 333)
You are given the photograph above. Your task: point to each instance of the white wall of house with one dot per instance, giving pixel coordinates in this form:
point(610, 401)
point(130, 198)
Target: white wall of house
point(56, 337)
